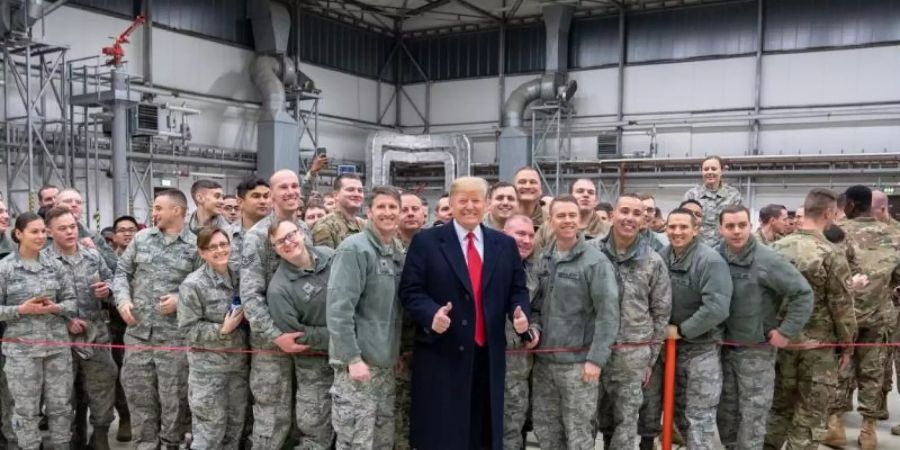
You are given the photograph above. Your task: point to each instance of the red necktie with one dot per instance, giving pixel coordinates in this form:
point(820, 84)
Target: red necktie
point(475, 277)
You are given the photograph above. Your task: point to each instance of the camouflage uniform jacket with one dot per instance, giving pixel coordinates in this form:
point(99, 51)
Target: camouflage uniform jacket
point(7, 245)
point(537, 215)
point(657, 241)
point(713, 203)
point(645, 292)
point(763, 280)
point(217, 221)
point(204, 299)
point(86, 267)
point(595, 229)
point(576, 304)
point(332, 229)
point(877, 250)
point(296, 299)
point(825, 268)
point(21, 280)
point(236, 238)
point(108, 254)
point(761, 238)
point(363, 309)
point(513, 341)
point(489, 222)
point(701, 292)
point(258, 263)
point(154, 265)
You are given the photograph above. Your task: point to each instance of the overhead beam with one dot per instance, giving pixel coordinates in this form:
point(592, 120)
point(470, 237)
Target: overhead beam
point(483, 12)
point(426, 7)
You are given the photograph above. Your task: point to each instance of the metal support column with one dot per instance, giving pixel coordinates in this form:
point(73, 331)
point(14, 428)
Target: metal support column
point(147, 68)
point(620, 86)
point(757, 94)
point(31, 154)
point(119, 148)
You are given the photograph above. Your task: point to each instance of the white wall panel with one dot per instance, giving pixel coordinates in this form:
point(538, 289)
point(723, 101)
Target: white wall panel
point(200, 65)
point(689, 86)
point(597, 91)
point(838, 76)
point(464, 101)
point(847, 138)
point(408, 115)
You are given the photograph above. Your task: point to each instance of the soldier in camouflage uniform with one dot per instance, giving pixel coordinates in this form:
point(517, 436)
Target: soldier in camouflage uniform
point(575, 306)
point(806, 379)
point(71, 198)
point(37, 296)
point(881, 212)
point(209, 198)
point(413, 217)
point(701, 297)
point(773, 224)
point(528, 188)
point(877, 249)
point(92, 279)
point(714, 195)
point(645, 307)
point(766, 288)
point(270, 374)
point(503, 203)
point(335, 227)
point(218, 374)
point(517, 391)
point(296, 299)
point(364, 324)
point(585, 191)
point(7, 246)
point(146, 286)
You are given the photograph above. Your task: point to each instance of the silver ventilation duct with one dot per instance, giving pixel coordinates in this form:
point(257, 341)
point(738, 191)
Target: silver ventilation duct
point(383, 148)
point(277, 140)
point(514, 144)
point(18, 15)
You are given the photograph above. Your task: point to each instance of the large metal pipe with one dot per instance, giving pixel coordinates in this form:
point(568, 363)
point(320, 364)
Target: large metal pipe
point(264, 74)
point(119, 149)
point(557, 20)
point(519, 99)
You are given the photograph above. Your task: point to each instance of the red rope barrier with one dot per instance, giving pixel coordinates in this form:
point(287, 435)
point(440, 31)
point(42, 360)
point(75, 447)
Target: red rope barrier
point(669, 394)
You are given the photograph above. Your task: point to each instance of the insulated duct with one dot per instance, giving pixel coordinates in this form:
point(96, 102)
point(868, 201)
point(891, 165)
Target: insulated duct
point(18, 15)
point(383, 148)
point(277, 141)
point(514, 143)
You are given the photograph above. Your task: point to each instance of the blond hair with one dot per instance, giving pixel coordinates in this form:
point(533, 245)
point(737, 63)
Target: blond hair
point(469, 184)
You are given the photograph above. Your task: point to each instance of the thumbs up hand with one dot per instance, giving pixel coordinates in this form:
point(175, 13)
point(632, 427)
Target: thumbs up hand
point(441, 321)
point(520, 321)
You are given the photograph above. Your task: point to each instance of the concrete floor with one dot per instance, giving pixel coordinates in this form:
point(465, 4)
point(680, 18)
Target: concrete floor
point(885, 439)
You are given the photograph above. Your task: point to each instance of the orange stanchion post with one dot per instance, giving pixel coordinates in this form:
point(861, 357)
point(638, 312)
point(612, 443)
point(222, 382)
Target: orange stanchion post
point(668, 395)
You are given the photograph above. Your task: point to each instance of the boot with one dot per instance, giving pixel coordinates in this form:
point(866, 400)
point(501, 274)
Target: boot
point(123, 434)
point(836, 436)
point(868, 439)
point(895, 430)
point(648, 443)
point(607, 441)
point(99, 439)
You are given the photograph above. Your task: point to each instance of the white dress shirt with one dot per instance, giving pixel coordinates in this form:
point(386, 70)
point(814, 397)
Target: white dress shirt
point(463, 235)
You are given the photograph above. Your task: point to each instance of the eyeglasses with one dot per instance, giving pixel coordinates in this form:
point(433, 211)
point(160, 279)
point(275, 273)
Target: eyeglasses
point(218, 247)
point(697, 214)
point(290, 237)
point(126, 230)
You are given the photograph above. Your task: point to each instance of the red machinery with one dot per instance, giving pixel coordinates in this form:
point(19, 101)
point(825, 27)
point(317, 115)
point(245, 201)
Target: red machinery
point(116, 52)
